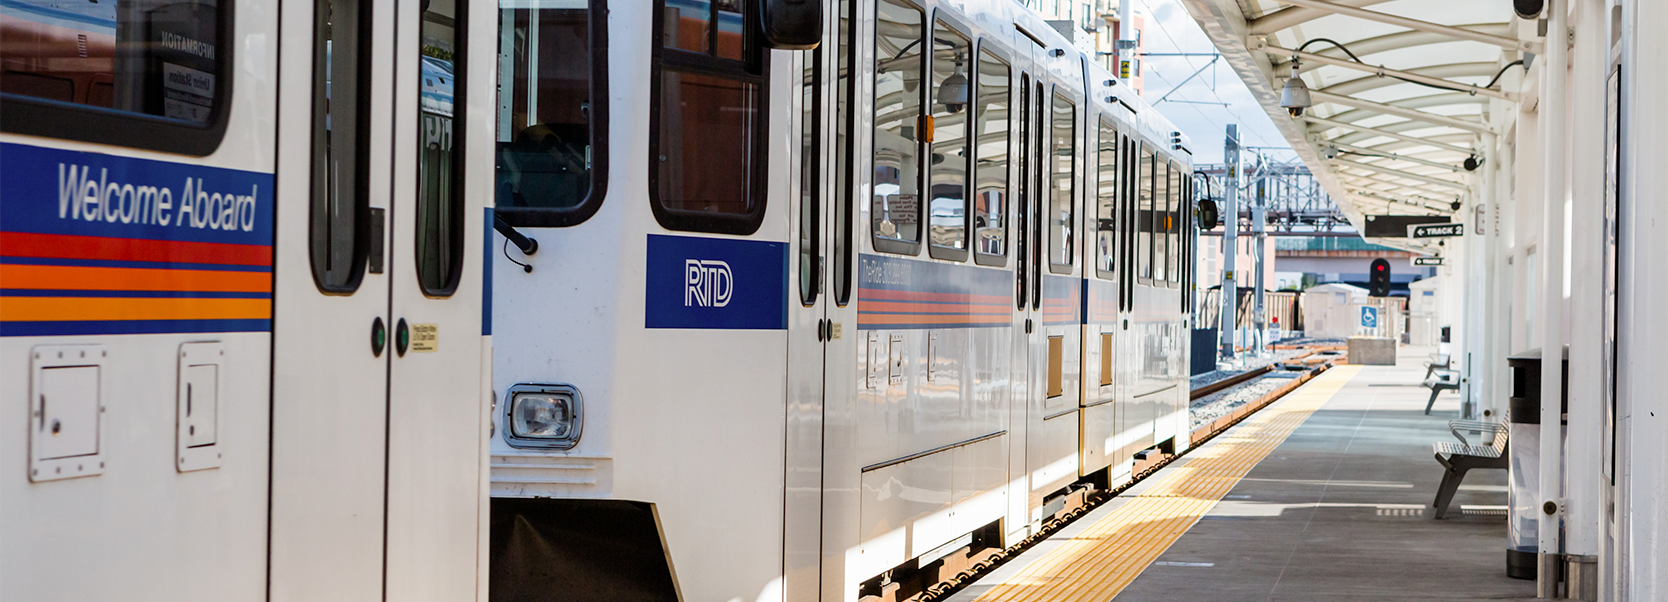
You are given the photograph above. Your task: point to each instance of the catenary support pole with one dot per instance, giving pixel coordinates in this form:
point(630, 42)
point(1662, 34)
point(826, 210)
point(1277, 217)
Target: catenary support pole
point(1259, 233)
point(1553, 90)
point(1230, 222)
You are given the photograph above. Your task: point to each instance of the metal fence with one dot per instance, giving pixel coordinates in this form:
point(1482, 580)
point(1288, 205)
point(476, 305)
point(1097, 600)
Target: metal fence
point(1284, 309)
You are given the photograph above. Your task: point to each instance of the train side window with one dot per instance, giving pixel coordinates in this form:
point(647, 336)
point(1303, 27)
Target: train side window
point(1106, 195)
point(440, 201)
point(900, 127)
point(947, 210)
point(844, 143)
point(1022, 253)
point(148, 74)
point(991, 160)
point(1161, 221)
point(1144, 217)
point(1172, 224)
point(341, 149)
point(551, 133)
point(707, 126)
point(810, 166)
point(1062, 184)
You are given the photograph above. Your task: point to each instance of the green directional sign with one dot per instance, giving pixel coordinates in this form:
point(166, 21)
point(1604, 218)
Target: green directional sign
point(1435, 230)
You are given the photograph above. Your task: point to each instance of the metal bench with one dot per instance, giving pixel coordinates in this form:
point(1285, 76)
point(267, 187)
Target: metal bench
point(1443, 380)
point(1459, 458)
point(1439, 361)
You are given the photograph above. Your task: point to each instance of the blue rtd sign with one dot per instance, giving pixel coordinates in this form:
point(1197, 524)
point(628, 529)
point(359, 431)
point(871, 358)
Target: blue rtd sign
point(1369, 317)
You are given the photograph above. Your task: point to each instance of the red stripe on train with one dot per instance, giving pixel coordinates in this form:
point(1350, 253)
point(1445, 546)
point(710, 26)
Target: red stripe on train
point(64, 246)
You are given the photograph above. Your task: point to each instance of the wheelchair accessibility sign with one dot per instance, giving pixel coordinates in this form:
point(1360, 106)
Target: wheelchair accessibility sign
point(1369, 317)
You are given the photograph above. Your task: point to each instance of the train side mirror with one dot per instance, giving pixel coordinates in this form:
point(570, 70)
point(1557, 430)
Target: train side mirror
point(791, 24)
point(1208, 214)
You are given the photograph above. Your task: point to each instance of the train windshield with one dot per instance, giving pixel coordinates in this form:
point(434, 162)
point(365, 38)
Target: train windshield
point(152, 57)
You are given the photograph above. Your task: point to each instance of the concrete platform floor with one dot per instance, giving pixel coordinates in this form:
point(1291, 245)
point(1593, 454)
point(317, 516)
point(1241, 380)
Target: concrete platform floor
point(1341, 511)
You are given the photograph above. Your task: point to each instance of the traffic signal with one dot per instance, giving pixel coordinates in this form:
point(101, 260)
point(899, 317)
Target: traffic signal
point(1378, 278)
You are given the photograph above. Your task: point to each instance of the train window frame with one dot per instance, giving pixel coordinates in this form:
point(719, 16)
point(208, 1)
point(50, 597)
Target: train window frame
point(1001, 56)
point(324, 233)
point(1021, 148)
point(810, 180)
point(948, 22)
point(1106, 218)
point(884, 244)
point(1132, 174)
point(557, 217)
point(31, 116)
point(453, 269)
point(1161, 209)
point(1145, 162)
point(846, 84)
point(1074, 178)
point(1173, 232)
point(753, 68)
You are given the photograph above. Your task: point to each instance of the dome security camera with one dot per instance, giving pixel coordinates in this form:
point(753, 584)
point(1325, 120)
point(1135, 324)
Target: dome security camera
point(1295, 97)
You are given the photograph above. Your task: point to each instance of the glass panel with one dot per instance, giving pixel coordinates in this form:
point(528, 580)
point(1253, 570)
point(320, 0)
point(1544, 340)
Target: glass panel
point(810, 210)
point(544, 104)
point(843, 118)
point(950, 88)
point(153, 57)
point(1172, 226)
point(1022, 263)
point(341, 117)
point(1106, 188)
point(897, 179)
point(687, 25)
point(991, 171)
point(1039, 197)
point(731, 36)
point(1144, 215)
point(439, 187)
point(707, 134)
point(1064, 151)
point(1161, 220)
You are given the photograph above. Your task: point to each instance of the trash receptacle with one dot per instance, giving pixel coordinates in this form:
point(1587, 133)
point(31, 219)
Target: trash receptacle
point(1522, 537)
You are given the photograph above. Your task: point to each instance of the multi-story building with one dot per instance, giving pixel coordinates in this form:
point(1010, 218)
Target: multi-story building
point(1094, 26)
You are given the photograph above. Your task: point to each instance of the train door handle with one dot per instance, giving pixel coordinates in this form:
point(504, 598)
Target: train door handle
point(379, 336)
point(1028, 326)
point(822, 335)
point(402, 338)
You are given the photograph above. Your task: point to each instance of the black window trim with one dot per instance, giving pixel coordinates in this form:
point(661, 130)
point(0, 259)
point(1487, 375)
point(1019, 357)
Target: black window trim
point(554, 217)
point(460, 156)
point(1144, 226)
point(811, 126)
point(31, 116)
point(845, 189)
point(1002, 55)
point(1104, 123)
point(882, 244)
point(363, 234)
point(753, 70)
point(1058, 90)
point(950, 22)
point(1021, 147)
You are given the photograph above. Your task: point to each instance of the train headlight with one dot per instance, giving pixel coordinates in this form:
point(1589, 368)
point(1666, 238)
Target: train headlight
point(543, 416)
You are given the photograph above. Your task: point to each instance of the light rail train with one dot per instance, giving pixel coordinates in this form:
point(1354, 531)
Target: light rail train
point(807, 317)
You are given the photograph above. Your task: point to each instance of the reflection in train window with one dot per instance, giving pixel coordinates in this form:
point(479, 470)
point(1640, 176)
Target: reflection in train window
point(844, 116)
point(550, 148)
point(1106, 195)
point(810, 182)
point(991, 170)
point(1172, 224)
point(947, 213)
point(899, 125)
point(1161, 220)
point(1061, 236)
point(341, 145)
point(1144, 216)
point(707, 122)
point(440, 168)
point(152, 57)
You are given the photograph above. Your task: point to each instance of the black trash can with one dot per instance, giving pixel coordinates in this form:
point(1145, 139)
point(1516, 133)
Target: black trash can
point(1524, 411)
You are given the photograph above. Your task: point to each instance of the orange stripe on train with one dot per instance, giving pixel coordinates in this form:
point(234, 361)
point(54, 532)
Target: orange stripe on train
point(60, 309)
point(49, 277)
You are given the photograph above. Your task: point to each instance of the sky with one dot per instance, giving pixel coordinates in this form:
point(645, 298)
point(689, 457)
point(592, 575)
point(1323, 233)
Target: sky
point(1170, 29)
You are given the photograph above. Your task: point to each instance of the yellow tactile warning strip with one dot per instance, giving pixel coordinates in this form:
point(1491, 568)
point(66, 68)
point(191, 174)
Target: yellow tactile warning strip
point(1105, 558)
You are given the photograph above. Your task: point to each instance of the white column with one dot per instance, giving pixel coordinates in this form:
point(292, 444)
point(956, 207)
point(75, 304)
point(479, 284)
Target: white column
point(1483, 368)
point(1584, 480)
point(1553, 90)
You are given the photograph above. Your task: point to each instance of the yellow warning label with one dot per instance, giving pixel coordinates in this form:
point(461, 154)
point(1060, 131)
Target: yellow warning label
point(425, 338)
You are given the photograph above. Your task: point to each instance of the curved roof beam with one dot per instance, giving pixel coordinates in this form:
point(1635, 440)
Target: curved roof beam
point(1386, 43)
point(1437, 72)
point(1371, 154)
point(1348, 164)
point(1385, 148)
point(1385, 133)
point(1293, 16)
point(1458, 33)
point(1442, 143)
point(1381, 72)
point(1386, 109)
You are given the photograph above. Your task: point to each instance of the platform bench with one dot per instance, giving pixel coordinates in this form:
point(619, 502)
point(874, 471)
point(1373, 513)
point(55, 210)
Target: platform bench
point(1439, 361)
point(1459, 458)
point(1443, 380)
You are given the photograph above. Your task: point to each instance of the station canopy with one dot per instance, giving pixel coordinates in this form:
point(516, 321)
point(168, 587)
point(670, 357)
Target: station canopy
point(1401, 90)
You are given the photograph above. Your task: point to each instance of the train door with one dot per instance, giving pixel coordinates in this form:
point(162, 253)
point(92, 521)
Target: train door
point(1022, 362)
point(378, 421)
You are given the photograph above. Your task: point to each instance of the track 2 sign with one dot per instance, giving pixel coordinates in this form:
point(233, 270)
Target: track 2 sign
point(1435, 230)
point(1426, 261)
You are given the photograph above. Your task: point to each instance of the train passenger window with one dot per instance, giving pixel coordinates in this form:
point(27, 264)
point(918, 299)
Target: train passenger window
point(1161, 221)
point(843, 145)
point(990, 205)
point(1172, 224)
point(708, 123)
point(900, 128)
point(550, 136)
point(1144, 216)
point(1061, 237)
point(1022, 257)
point(810, 166)
point(947, 210)
point(143, 73)
point(440, 201)
point(341, 149)
point(1106, 195)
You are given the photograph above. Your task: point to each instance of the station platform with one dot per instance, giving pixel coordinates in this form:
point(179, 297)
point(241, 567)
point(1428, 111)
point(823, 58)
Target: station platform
point(1324, 495)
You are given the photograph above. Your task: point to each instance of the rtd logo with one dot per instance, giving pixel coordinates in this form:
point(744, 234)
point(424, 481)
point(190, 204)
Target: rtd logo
point(707, 283)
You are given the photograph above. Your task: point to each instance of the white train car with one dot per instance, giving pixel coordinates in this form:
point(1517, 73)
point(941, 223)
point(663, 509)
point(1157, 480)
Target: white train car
point(241, 351)
point(817, 324)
